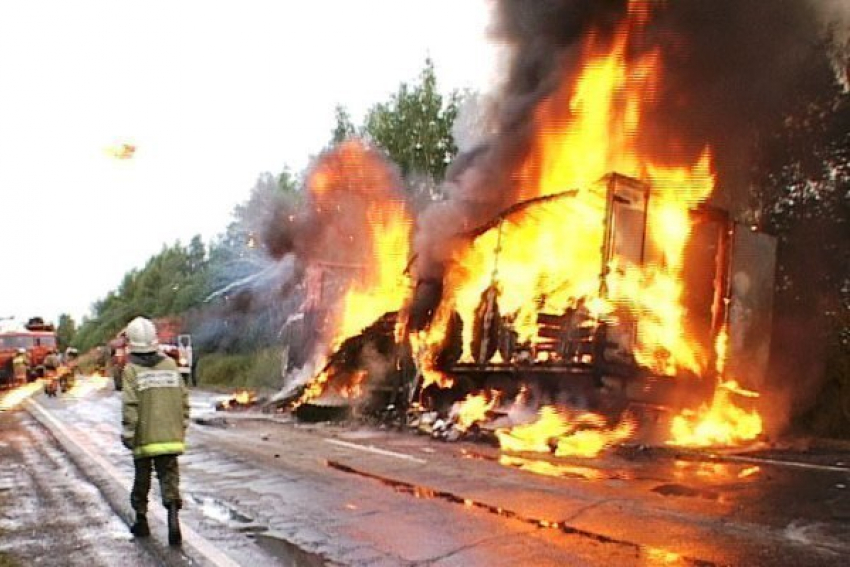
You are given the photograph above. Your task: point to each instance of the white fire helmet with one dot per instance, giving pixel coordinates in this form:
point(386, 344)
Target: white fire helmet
point(141, 334)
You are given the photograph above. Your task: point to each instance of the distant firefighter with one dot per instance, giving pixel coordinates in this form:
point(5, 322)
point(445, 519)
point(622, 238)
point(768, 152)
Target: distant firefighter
point(20, 366)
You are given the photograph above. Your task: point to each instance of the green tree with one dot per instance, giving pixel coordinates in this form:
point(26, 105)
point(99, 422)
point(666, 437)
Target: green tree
point(171, 282)
point(415, 126)
point(287, 182)
point(804, 199)
point(65, 331)
point(344, 128)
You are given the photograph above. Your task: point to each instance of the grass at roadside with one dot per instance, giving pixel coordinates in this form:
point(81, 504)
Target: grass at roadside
point(256, 371)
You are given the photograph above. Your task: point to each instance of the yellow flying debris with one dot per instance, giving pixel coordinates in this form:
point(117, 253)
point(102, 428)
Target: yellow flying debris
point(121, 151)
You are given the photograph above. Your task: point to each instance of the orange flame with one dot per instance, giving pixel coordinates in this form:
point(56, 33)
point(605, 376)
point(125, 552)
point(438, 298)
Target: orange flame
point(244, 397)
point(474, 408)
point(721, 422)
point(425, 344)
point(357, 197)
point(313, 389)
point(385, 289)
point(356, 183)
point(582, 435)
point(354, 388)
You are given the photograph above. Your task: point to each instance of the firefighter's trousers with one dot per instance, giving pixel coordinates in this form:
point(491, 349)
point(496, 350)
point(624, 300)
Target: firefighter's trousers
point(168, 473)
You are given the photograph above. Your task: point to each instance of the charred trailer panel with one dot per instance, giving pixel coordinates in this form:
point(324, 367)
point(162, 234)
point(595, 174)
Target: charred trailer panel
point(752, 272)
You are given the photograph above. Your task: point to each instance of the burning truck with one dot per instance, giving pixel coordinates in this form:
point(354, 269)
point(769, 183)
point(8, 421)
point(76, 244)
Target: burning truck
point(599, 351)
point(587, 278)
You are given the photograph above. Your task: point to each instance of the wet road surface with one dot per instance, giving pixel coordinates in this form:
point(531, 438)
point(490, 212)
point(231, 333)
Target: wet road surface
point(264, 491)
point(49, 513)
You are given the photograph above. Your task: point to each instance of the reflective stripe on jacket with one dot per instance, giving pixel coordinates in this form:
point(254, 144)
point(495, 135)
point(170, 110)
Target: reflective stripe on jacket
point(155, 409)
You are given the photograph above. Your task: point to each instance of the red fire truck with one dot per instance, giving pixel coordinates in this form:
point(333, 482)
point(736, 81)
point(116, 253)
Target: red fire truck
point(37, 338)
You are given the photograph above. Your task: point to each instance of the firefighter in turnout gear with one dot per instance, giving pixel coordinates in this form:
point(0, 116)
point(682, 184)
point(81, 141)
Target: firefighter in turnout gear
point(155, 413)
point(20, 366)
point(51, 361)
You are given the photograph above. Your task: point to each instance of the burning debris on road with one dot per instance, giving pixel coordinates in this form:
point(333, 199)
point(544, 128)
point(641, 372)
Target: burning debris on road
point(240, 400)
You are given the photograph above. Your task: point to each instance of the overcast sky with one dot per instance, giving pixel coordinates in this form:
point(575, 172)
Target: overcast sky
point(212, 93)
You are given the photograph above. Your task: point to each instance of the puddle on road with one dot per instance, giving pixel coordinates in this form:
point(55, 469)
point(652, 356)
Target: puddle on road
point(715, 473)
point(220, 512)
point(682, 490)
point(548, 468)
point(274, 544)
point(281, 548)
point(422, 492)
point(708, 480)
point(818, 534)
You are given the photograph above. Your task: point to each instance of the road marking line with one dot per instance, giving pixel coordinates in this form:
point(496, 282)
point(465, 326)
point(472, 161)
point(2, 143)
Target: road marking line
point(376, 450)
point(778, 463)
point(211, 553)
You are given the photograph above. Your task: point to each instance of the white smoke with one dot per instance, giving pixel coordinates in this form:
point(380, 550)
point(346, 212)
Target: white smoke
point(474, 123)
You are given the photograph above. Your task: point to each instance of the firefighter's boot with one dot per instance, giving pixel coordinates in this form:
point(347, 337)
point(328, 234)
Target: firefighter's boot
point(174, 536)
point(141, 528)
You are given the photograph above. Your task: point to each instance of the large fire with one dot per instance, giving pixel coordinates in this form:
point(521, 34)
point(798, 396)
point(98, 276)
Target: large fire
point(562, 254)
point(547, 259)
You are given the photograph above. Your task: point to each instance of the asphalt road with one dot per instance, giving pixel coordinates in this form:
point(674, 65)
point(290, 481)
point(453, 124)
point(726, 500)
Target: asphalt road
point(266, 491)
point(50, 514)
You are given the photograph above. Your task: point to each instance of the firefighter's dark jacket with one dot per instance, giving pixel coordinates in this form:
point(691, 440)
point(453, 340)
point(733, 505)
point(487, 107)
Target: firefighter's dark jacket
point(155, 406)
